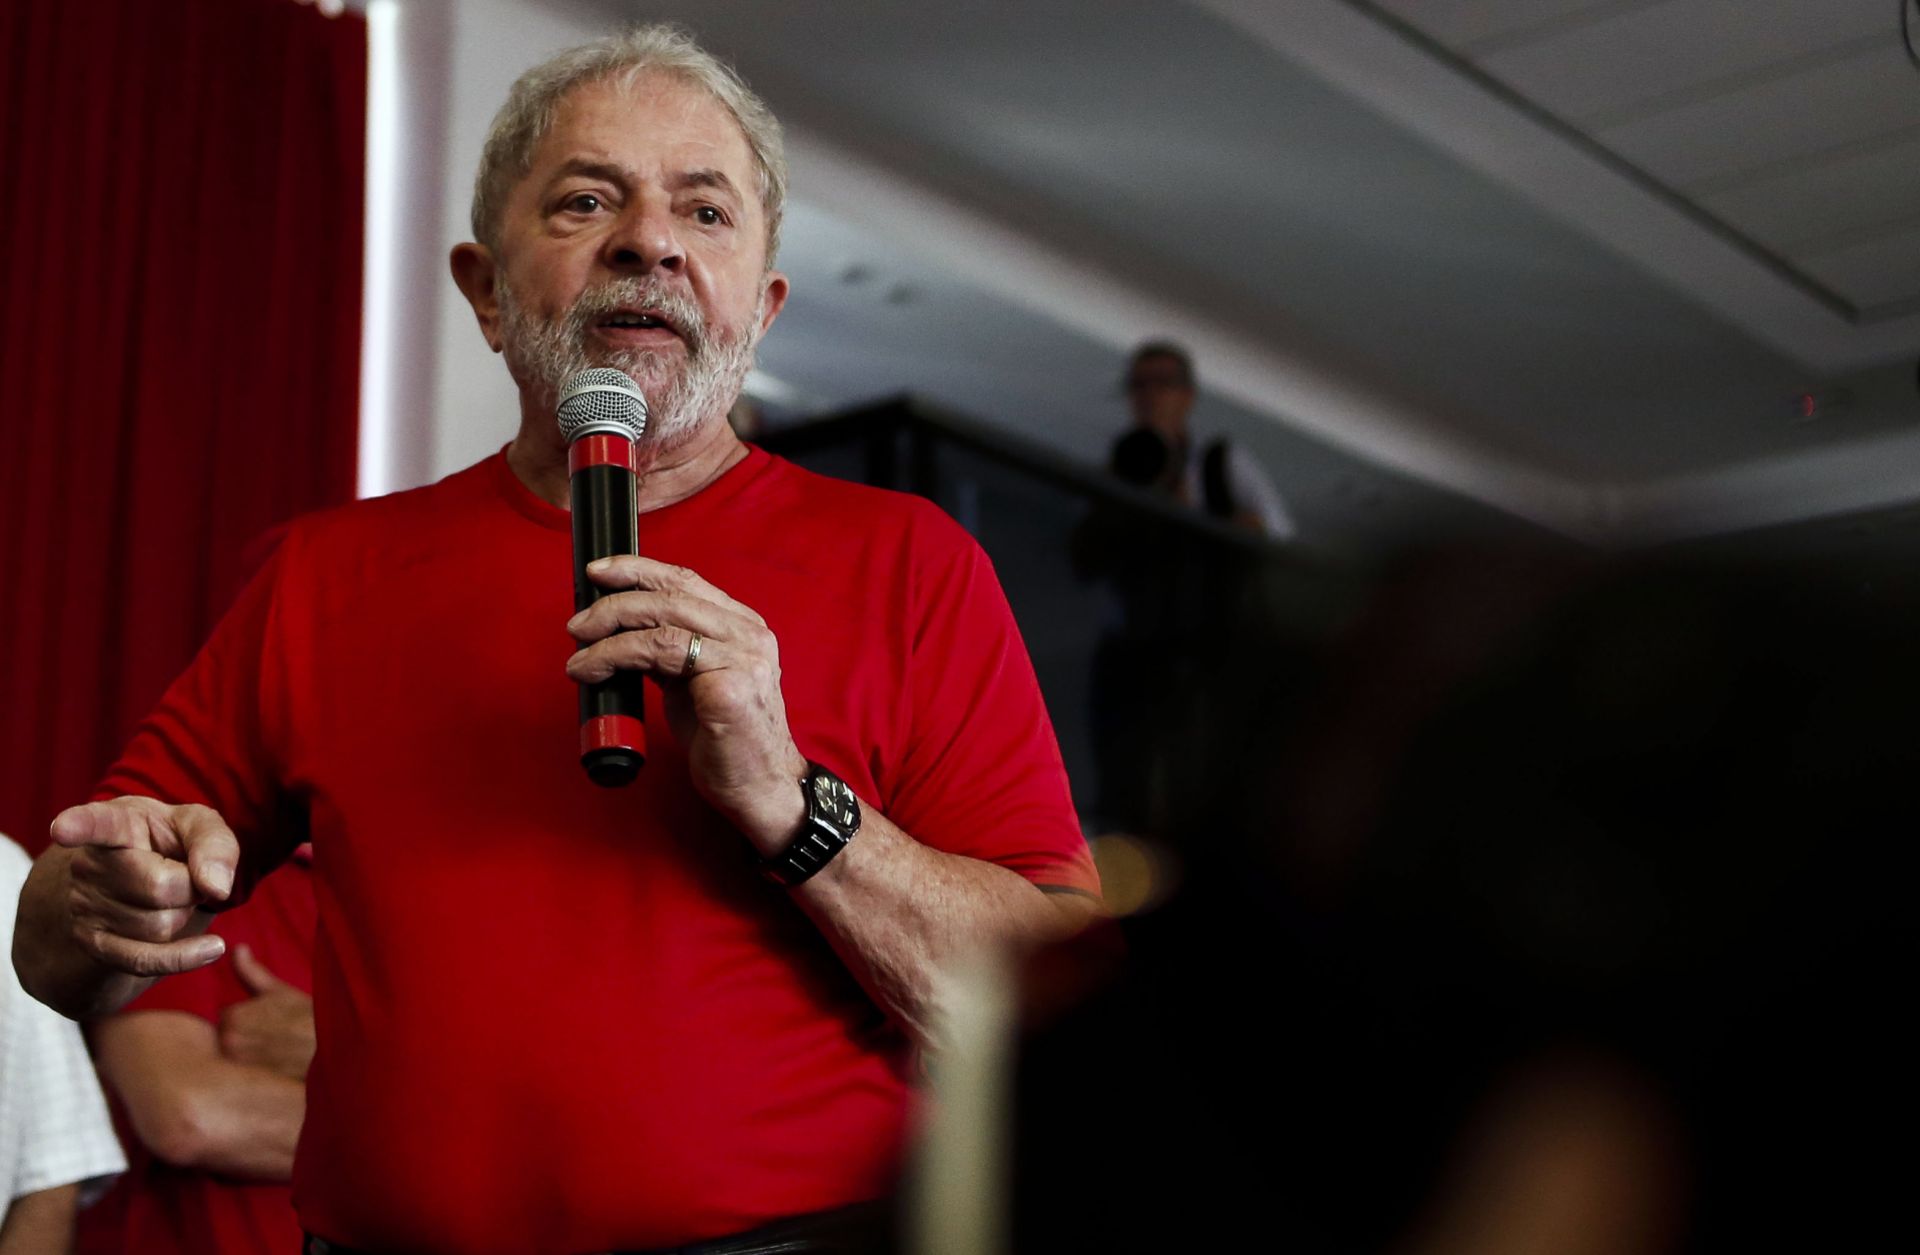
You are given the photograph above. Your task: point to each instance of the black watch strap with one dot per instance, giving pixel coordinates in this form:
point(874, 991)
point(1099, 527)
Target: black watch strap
point(833, 817)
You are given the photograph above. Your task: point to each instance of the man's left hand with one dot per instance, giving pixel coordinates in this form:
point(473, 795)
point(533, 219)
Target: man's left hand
point(726, 709)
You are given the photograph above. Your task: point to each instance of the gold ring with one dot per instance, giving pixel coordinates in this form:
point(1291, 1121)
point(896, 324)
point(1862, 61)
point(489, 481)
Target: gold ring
point(693, 655)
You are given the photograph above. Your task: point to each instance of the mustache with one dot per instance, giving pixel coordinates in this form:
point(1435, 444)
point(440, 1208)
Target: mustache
point(677, 309)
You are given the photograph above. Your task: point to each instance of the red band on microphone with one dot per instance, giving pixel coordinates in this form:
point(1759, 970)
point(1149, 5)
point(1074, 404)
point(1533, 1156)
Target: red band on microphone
point(600, 450)
point(604, 732)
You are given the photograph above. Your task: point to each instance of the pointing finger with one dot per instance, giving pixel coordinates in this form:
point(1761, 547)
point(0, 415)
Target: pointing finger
point(118, 823)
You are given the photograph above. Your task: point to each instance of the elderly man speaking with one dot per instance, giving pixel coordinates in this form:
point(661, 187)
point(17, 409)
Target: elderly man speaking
point(555, 1017)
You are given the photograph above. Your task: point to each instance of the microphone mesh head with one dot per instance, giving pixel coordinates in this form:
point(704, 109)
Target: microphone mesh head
point(601, 400)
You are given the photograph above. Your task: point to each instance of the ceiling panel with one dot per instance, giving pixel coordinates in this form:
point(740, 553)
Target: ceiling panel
point(1882, 272)
point(1793, 123)
point(1582, 74)
point(1808, 201)
point(1177, 153)
point(1835, 104)
point(1459, 22)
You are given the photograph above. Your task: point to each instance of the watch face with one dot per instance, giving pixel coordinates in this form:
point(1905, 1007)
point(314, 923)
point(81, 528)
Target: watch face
point(835, 802)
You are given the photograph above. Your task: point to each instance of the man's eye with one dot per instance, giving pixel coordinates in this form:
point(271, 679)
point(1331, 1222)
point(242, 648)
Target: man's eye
point(708, 216)
point(582, 203)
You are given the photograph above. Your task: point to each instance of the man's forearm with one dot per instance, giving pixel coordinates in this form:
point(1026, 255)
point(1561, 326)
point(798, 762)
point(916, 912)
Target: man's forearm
point(902, 914)
point(50, 962)
point(899, 913)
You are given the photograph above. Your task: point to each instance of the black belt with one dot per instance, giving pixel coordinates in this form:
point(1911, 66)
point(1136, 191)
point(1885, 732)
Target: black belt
point(862, 1229)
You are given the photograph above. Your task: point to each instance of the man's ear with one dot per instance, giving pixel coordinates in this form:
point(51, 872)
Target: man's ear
point(477, 275)
point(776, 290)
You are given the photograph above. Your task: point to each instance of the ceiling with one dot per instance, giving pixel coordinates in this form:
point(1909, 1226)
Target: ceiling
point(1443, 262)
point(1793, 128)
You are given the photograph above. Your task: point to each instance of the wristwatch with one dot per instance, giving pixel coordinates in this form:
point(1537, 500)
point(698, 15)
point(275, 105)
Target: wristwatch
point(833, 817)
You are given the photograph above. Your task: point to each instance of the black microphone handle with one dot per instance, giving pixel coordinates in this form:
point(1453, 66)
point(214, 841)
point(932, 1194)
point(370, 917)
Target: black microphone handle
point(606, 524)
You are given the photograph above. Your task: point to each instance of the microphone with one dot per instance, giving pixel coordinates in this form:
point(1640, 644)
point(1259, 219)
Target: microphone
point(601, 414)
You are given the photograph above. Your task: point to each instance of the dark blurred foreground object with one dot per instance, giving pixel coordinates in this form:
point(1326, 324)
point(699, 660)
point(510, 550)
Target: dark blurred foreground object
point(1582, 925)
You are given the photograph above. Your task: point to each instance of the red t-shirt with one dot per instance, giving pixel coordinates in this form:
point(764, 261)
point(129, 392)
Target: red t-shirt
point(556, 1017)
point(158, 1209)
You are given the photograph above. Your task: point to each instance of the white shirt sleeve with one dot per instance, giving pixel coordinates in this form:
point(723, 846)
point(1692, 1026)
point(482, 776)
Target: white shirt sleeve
point(54, 1128)
point(1252, 490)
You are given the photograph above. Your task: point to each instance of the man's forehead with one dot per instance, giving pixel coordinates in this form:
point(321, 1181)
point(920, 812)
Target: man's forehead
point(657, 117)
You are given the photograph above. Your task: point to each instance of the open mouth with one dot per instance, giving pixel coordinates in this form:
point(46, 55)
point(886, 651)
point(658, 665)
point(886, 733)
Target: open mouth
point(638, 320)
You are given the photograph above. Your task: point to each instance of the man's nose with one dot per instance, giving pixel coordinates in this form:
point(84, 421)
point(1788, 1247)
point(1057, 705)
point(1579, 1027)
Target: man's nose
point(643, 240)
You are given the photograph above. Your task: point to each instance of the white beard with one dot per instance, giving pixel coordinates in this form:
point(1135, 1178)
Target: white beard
point(682, 393)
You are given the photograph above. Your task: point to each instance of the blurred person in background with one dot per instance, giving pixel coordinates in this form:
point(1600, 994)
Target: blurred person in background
point(210, 1069)
point(57, 1149)
point(1158, 451)
point(1148, 668)
point(1579, 921)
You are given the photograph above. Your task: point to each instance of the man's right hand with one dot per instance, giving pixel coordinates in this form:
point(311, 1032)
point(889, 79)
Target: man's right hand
point(139, 871)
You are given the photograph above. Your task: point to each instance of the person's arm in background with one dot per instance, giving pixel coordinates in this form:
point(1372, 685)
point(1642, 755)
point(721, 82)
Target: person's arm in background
point(40, 1223)
point(192, 1106)
point(226, 1097)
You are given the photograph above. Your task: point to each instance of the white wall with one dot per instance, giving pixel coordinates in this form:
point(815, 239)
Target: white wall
point(406, 120)
point(447, 397)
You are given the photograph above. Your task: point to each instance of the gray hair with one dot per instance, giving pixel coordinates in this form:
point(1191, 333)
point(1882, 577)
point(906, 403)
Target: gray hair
point(622, 59)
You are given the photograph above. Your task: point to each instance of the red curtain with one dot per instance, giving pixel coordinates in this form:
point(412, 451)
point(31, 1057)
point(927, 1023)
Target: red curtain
point(180, 246)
